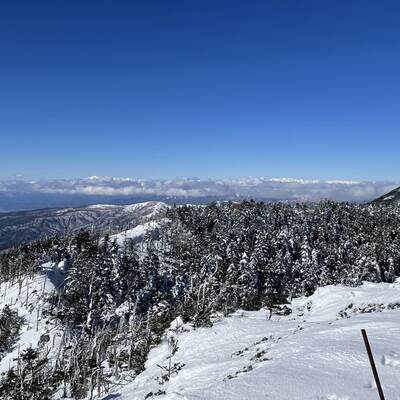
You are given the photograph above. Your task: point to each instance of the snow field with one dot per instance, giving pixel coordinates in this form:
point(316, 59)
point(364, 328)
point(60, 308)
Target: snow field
point(315, 353)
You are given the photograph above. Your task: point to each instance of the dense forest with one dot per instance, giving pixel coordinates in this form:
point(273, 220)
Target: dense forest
point(116, 301)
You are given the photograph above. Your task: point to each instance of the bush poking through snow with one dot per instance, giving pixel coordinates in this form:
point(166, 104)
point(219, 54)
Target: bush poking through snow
point(10, 325)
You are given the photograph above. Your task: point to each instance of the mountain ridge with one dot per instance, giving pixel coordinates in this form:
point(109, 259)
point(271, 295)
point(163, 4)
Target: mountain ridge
point(24, 226)
point(391, 198)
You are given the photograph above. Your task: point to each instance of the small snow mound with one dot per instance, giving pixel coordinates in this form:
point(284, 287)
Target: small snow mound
point(177, 327)
point(391, 361)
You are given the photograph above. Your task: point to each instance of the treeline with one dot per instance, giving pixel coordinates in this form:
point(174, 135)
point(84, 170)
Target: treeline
point(116, 301)
point(244, 255)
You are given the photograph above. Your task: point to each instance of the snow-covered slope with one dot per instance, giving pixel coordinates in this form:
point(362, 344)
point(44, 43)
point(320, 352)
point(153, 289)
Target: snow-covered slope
point(317, 352)
point(137, 233)
point(28, 298)
point(392, 198)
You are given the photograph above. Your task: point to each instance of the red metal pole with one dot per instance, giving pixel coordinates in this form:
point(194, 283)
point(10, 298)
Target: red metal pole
point(373, 366)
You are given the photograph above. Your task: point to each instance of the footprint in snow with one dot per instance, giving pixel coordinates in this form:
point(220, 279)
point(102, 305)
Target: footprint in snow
point(370, 385)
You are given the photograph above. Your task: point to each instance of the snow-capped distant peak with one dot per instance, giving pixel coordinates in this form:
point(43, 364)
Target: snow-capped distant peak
point(100, 206)
point(153, 206)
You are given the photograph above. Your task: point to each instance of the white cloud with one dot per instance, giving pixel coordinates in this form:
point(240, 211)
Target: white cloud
point(254, 187)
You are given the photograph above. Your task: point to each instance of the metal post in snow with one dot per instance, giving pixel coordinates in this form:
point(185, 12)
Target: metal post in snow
point(373, 366)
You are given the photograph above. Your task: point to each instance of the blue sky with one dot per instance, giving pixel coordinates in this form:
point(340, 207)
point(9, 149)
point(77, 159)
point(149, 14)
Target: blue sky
point(158, 89)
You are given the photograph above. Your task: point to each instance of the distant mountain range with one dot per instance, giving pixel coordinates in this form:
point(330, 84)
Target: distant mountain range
point(392, 198)
point(24, 226)
point(18, 195)
point(17, 227)
point(27, 201)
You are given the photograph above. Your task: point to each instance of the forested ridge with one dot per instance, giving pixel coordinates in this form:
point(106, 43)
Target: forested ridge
point(117, 300)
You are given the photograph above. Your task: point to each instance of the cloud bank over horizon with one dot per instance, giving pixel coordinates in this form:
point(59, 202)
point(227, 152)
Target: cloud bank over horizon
point(247, 187)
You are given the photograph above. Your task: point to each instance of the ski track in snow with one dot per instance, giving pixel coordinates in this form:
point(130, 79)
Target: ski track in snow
point(312, 354)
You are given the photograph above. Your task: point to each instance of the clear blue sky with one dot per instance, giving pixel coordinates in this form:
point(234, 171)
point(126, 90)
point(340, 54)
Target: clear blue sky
point(159, 89)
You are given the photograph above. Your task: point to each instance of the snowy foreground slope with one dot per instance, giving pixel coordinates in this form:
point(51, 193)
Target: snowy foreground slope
point(315, 353)
point(29, 300)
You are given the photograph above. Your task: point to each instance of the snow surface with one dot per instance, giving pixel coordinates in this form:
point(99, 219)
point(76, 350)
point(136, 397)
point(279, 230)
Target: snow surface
point(391, 197)
point(317, 352)
point(100, 206)
point(156, 207)
point(135, 233)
